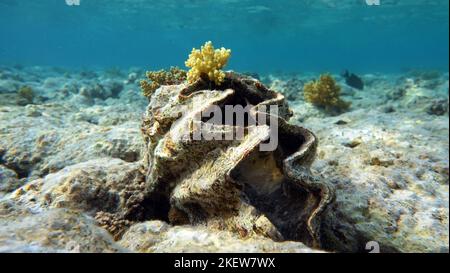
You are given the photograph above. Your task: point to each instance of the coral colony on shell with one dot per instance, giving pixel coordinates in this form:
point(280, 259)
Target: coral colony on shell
point(115, 136)
point(207, 61)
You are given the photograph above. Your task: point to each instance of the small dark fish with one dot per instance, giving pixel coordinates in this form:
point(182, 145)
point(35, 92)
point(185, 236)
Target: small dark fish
point(353, 80)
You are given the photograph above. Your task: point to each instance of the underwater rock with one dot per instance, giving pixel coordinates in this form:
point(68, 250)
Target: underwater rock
point(47, 138)
point(231, 184)
point(424, 75)
point(91, 187)
point(113, 86)
point(53, 82)
point(381, 158)
point(132, 77)
point(8, 180)
point(438, 107)
point(155, 79)
point(96, 91)
point(158, 236)
point(292, 88)
point(32, 110)
point(8, 86)
point(55, 230)
point(388, 109)
point(396, 93)
point(104, 90)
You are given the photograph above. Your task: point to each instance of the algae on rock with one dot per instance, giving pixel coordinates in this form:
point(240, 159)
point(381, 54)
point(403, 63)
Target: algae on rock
point(162, 77)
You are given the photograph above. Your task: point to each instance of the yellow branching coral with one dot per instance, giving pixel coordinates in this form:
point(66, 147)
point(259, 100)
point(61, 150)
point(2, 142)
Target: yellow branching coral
point(207, 62)
point(162, 77)
point(325, 93)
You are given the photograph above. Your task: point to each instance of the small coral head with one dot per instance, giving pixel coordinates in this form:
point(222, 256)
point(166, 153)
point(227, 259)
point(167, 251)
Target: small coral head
point(325, 93)
point(207, 62)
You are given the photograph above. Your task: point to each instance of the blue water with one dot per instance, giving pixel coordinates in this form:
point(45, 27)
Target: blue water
point(264, 35)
